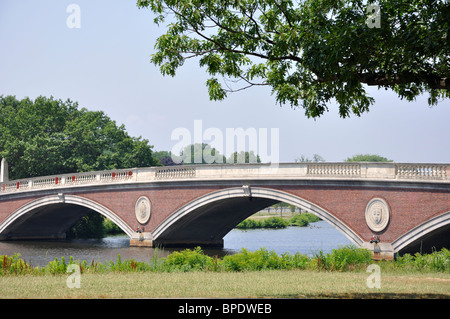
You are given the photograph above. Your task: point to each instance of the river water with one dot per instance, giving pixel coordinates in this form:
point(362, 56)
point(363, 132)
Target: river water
point(319, 236)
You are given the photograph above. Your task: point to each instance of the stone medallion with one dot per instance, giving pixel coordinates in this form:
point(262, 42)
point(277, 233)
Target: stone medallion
point(377, 214)
point(142, 210)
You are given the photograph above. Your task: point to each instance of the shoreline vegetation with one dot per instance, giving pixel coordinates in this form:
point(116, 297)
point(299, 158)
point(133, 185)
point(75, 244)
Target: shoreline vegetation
point(300, 220)
point(190, 273)
point(344, 259)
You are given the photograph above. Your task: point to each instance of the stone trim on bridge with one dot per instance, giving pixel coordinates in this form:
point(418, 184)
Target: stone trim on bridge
point(267, 193)
point(421, 230)
point(365, 171)
point(67, 199)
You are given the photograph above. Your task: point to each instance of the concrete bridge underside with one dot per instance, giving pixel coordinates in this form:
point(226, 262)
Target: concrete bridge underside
point(46, 222)
point(208, 224)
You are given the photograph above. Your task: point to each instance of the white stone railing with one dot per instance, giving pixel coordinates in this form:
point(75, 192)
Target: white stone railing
point(82, 178)
point(67, 180)
point(334, 169)
point(421, 171)
point(175, 172)
point(284, 171)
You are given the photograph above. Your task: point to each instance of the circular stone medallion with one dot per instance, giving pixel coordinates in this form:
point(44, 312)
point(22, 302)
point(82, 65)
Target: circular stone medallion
point(377, 214)
point(142, 210)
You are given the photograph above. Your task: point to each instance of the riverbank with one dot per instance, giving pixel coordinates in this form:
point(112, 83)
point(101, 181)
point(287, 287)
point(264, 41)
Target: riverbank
point(347, 258)
point(268, 221)
point(343, 273)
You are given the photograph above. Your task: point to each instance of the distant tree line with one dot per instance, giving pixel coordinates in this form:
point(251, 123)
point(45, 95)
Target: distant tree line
point(355, 158)
point(48, 136)
point(204, 154)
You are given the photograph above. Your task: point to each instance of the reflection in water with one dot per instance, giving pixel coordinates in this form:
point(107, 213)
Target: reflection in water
point(306, 240)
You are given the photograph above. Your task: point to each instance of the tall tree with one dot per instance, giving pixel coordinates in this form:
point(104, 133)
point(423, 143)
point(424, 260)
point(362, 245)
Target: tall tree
point(164, 158)
point(199, 154)
point(48, 136)
point(367, 158)
point(316, 158)
point(243, 157)
point(312, 51)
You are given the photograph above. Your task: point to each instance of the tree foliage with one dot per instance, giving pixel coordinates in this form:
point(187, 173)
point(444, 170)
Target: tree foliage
point(199, 153)
point(243, 157)
point(303, 159)
point(89, 226)
point(310, 52)
point(164, 158)
point(367, 158)
point(48, 136)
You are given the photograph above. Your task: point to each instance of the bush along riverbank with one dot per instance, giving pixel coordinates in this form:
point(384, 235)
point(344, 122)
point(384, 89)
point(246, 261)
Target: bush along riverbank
point(347, 258)
point(301, 220)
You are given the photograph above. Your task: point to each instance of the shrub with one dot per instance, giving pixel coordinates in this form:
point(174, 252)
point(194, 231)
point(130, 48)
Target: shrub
point(436, 261)
point(110, 228)
point(261, 259)
point(296, 261)
point(14, 265)
point(300, 220)
point(275, 222)
point(250, 224)
point(342, 258)
point(187, 260)
point(271, 222)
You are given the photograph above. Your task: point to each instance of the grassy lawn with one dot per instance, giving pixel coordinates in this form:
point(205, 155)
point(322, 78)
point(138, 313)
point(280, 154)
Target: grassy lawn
point(251, 284)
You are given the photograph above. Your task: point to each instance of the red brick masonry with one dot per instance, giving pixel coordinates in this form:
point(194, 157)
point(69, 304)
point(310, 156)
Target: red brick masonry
point(408, 207)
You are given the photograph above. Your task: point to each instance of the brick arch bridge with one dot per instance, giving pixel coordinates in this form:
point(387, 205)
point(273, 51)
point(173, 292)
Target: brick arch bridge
point(405, 205)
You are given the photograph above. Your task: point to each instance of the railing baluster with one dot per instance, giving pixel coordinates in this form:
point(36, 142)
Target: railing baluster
point(421, 171)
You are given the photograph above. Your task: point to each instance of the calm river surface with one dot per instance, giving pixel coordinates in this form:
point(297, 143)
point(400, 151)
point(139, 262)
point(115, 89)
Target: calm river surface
point(319, 236)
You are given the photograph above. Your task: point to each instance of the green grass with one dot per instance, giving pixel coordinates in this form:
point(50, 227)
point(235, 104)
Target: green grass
point(249, 284)
point(260, 274)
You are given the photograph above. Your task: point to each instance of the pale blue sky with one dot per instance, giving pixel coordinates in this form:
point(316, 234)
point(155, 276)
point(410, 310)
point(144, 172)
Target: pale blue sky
point(104, 65)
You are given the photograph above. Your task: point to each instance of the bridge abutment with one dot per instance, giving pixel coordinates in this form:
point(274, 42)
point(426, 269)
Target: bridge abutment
point(146, 240)
point(380, 251)
point(143, 239)
point(189, 244)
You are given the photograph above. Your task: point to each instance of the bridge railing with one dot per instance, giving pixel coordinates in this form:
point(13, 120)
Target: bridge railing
point(68, 180)
point(343, 169)
point(362, 170)
point(421, 171)
point(172, 172)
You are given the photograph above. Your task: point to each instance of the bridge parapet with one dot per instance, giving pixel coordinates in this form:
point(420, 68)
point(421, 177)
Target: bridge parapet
point(53, 181)
point(334, 171)
point(422, 171)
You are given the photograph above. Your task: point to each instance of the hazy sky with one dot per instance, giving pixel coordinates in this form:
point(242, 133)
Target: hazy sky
point(104, 65)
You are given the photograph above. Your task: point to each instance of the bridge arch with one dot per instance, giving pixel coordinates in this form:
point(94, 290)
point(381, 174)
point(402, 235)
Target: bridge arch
point(213, 206)
point(416, 239)
point(57, 202)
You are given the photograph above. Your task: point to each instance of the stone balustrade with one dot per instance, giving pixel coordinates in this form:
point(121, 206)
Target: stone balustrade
point(174, 172)
point(339, 171)
point(334, 169)
point(425, 171)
